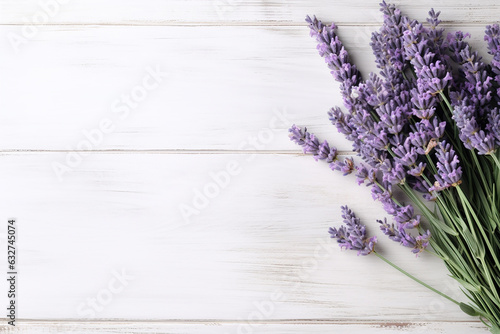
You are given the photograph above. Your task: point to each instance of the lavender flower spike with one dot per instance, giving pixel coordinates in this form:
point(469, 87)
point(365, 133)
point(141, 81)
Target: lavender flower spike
point(448, 168)
point(336, 57)
point(399, 234)
point(321, 151)
point(352, 235)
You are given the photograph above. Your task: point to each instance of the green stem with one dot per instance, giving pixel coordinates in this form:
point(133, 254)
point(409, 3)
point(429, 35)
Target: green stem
point(415, 279)
point(497, 162)
point(445, 99)
point(431, 164)
point(468, 208)
point(480, 171)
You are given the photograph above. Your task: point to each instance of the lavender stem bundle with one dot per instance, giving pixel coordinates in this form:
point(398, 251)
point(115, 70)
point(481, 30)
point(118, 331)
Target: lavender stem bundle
point(429, 125)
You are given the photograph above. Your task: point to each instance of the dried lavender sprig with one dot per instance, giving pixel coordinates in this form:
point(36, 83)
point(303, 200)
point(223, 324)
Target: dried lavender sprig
point(449, 169)
point(399, 234)
point(387, 45)
point(320, 151)
point(359, 126)
point(359, 122)
point(376, 140)
point(492, 37)
point(352, 235)
point(337, 58)
point(472, 103)
point(435, 34)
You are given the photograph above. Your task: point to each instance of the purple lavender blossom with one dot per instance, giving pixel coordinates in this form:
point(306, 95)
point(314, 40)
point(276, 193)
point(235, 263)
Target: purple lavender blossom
point(437, 128)
point(493, 125)
point(387, 44)
point(456, 43)
point(332, 50)
point(366, 175)
point(424, 103)
point(400, 235)
point(310, 144)
point(417, 170)
point(472, 100)
point(492, 36)
point(404, 214)
point(352, 235)
point(397, 174)
point(436, 34)
point(448, 166)
point(392, 117)
point(346, 166)
point(320, 151)
point(406, 154)
point(395, 119)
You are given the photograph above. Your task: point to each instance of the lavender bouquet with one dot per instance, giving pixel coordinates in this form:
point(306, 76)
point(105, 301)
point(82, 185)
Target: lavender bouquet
point(429, 125)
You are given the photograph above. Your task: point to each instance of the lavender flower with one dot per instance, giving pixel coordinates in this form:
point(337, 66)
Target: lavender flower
point(310, 144)
point(395, 121)
point(399, 234)
point(433, 104)
point(364, 174)
point(493, 125)
point(387, 44)
point(320, 151)
point(448, 166)
point(346, 166)
point(352, 235)
point(397, 174)
point(332, 50)
point(473, 99)
point(424, 103)
point(406, 154)
point(435, 34)
point(492, 36)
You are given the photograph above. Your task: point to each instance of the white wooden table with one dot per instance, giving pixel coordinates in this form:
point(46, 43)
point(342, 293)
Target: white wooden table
point(136, 236)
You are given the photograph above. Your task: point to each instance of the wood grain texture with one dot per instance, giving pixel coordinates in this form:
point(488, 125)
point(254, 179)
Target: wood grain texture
point(223, 89)
point(106, 243)
point(226, 328)
point(260, 245)
point(203, 12)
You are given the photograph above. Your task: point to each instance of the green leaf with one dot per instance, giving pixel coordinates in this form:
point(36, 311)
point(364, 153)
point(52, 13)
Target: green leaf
point(476, 246)
point(443, 227)
point(495, 329)
point(468, 286)
point(469, 310)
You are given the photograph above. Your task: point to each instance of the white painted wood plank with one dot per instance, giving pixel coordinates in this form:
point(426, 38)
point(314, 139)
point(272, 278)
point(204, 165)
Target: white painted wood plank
point(230, 11)
point(217, 327)
point(223, 88)
point(258, 250)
